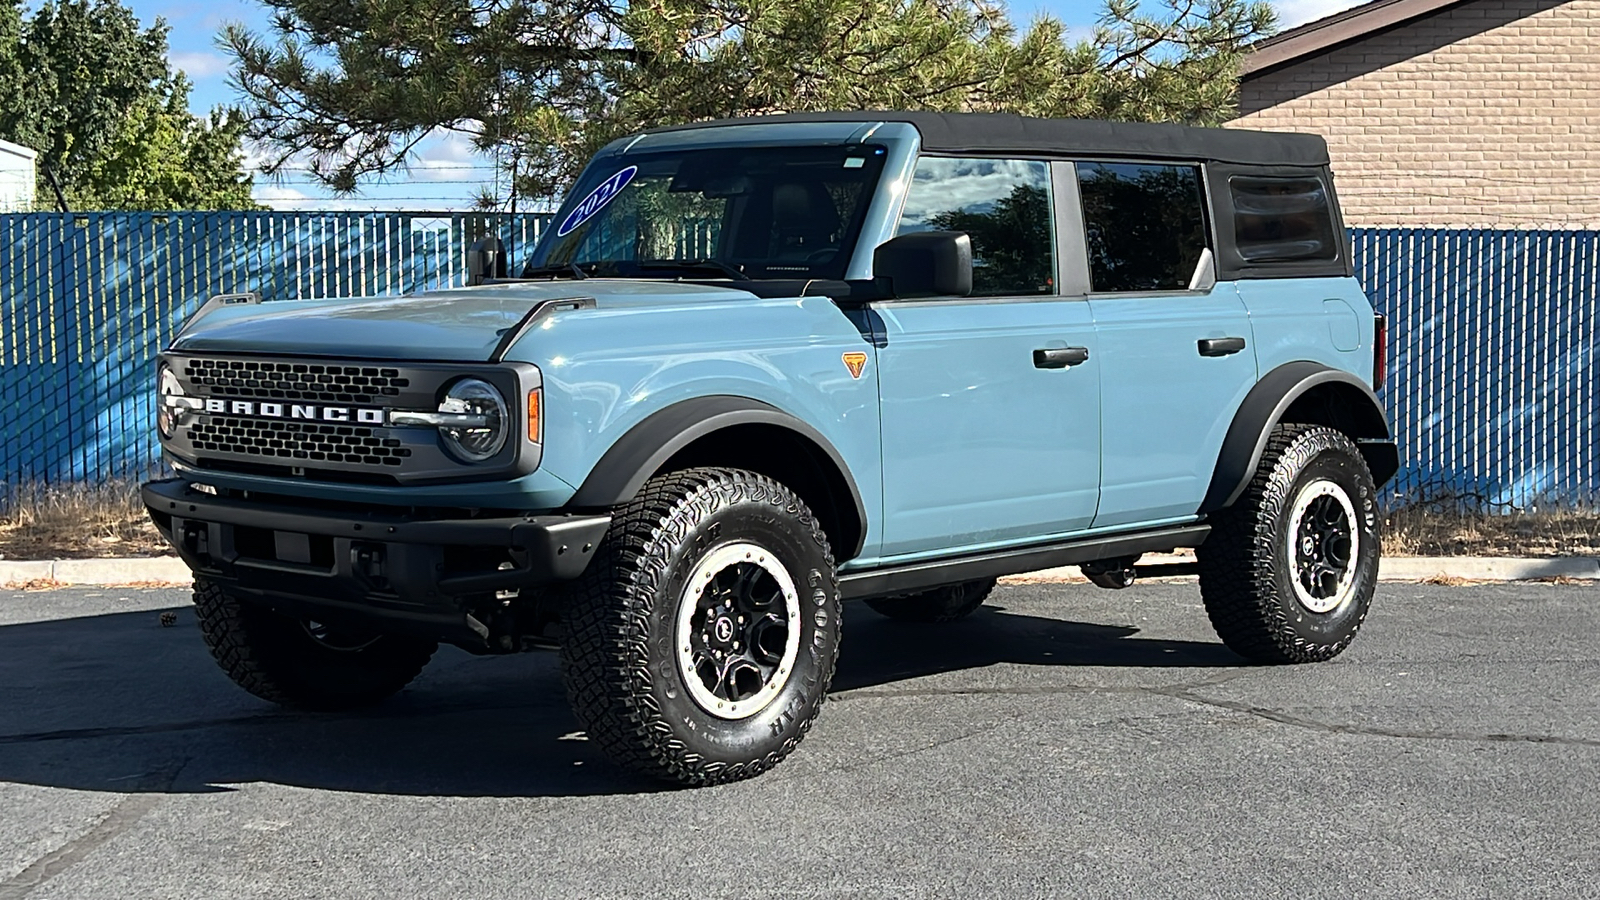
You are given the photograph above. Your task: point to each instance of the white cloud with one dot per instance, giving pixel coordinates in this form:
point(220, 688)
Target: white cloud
point(446, 174)
point(1299, 12)
point(450, 156)
point(200, 65)
point(254, 157)
point(278, 196)
point(288, 199)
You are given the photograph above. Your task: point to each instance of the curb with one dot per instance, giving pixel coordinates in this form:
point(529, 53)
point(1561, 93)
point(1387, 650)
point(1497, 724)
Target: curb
point(140, 570)
point(1487, 568)
point(171, 570)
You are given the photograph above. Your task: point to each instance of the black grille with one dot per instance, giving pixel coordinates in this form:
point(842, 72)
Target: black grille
point(270, 439)
point(293, 381)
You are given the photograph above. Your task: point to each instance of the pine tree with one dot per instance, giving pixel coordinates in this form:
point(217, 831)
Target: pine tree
point(352, 86)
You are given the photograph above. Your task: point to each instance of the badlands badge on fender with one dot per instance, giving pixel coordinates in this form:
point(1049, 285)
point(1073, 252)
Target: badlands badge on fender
point(855, 362)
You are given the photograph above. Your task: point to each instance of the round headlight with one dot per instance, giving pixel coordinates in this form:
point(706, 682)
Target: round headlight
point(166, 414)
point(483, 438)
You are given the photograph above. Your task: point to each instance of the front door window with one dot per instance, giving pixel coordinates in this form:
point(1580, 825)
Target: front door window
point(1003, 205)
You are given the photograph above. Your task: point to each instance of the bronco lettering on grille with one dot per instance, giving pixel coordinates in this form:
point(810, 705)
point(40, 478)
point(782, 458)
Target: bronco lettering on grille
point(295, 411)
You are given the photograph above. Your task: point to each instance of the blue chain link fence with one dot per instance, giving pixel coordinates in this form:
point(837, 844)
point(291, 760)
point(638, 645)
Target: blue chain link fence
point(1491, 386)
point(86, 302)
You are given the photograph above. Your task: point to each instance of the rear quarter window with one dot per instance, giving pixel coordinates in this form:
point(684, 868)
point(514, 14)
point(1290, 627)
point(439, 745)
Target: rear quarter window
point(1282, 219)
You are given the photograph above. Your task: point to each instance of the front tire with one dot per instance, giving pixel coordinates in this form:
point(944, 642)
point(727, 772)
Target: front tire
point(304, 664)
point(700, 642)
point(1288, 572)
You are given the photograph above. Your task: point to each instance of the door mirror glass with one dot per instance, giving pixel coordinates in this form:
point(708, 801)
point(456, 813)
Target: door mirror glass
point(926, 264)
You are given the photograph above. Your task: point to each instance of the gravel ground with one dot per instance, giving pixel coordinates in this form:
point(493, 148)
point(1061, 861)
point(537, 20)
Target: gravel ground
point(1065, 741)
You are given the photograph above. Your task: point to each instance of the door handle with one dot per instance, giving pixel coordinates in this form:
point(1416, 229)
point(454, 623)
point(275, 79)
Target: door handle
point(1221, 346)
point(1060, 357)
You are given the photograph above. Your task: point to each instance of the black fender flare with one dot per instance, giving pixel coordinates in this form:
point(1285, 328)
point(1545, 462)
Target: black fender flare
point(647, 446)
point(1264, 407)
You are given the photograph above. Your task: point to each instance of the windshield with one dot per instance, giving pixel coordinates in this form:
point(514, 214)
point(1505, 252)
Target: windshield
point(745, 212)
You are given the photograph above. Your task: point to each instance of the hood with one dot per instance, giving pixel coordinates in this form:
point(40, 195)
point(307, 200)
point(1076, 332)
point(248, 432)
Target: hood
point(460, 325)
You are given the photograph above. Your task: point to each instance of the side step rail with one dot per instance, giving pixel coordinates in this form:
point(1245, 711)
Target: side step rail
point(919, 576)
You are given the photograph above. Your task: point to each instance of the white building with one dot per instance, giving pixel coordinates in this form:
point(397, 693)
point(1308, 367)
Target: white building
point(16, 177)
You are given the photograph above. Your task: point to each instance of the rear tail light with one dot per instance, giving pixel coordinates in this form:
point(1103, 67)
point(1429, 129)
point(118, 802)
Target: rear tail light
point(1380, 348)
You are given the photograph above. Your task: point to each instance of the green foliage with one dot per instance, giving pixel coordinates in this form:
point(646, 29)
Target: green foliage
point(91, 91)
point(10, 44)
point(162, 157)
point(354, 85)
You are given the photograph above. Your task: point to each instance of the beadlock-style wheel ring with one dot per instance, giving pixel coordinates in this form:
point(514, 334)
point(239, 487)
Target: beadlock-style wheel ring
point(738, 633)
point(1323, 546)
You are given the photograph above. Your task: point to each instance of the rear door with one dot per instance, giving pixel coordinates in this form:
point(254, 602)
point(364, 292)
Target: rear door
point(1175, 352)
point(990, 403)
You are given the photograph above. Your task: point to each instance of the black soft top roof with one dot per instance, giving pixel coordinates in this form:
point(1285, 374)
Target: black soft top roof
point(990, 133)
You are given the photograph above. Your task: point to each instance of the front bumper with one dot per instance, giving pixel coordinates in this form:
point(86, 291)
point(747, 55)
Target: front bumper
point(404, 573)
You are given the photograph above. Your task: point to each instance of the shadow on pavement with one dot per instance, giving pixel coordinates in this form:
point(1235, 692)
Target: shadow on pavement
point(119, 703)
point(881, 651)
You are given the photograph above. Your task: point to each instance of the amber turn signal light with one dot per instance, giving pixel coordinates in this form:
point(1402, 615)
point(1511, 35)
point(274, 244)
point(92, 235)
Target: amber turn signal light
point(535, 423)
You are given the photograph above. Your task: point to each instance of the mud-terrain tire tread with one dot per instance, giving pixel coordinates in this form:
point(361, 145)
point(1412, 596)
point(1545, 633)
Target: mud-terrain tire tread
point(251, 654)
point(605, 662)
point(940, 605)
point(1237, 562)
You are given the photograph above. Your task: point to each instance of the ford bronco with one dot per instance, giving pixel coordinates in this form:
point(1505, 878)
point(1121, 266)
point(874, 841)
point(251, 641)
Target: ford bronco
point(758, 367)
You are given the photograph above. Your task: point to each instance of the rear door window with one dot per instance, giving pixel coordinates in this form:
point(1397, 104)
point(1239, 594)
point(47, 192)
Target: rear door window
point(1144, 225)
point(1282, 219)
point(1003, 205)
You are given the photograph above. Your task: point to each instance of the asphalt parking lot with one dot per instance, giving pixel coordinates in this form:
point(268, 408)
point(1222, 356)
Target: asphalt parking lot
point(1068, 741)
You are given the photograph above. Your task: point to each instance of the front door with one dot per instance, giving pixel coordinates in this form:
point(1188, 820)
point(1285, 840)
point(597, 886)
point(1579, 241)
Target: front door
point(1175, 353)
point(990, 404)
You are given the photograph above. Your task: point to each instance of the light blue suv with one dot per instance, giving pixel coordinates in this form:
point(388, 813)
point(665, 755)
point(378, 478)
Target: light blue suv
point(759, 367)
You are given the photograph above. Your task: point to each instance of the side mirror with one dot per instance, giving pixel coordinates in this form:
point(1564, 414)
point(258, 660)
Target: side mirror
point(926, 264)
point(486, 260)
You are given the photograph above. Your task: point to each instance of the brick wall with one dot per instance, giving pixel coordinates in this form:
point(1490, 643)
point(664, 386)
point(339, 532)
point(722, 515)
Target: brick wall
point(1487, 114)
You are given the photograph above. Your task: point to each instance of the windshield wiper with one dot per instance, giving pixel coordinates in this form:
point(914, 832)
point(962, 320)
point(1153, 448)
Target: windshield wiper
point(555, 270)
point(695, 265)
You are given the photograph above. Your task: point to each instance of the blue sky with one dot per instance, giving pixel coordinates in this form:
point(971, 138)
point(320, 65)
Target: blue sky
point(448, 173)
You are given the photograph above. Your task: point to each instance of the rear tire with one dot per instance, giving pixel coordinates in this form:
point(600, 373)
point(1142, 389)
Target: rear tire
point(700, 642)
point(946, 604)
point(1288, 572)
point(300, 663)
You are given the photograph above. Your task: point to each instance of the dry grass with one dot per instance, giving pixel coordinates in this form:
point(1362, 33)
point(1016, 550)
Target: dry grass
point(77, 521)
point(1418, 531)
point(35, 584)
point(1449, 580)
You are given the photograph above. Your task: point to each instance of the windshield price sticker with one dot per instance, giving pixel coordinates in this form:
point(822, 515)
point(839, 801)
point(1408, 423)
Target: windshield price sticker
point(597, 200)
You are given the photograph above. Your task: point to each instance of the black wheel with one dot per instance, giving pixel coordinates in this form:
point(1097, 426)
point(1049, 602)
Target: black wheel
point(701, 640)
point(946, 604)
point(1288, 572)
point(304, 663)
